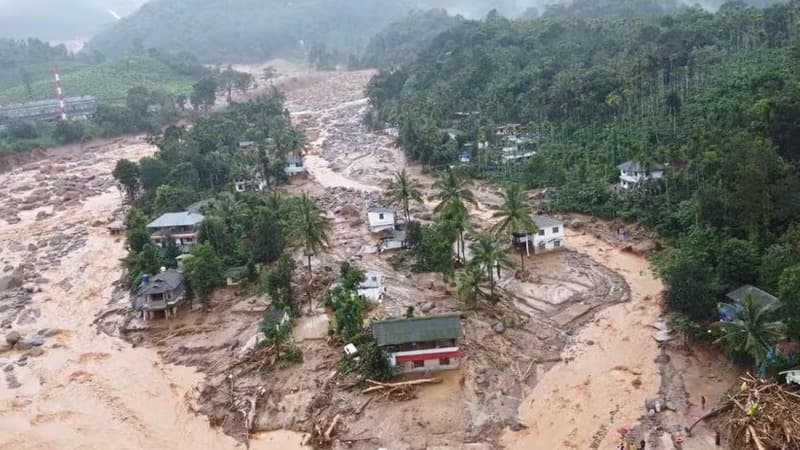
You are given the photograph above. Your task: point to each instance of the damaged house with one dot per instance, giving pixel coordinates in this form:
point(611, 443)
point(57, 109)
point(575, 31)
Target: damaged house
point(163, 292)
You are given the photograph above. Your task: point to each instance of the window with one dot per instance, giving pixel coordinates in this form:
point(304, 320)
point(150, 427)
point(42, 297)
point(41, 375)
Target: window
point(555, 229)
point(418, 364)
point(542, 245)
point(444, 361)
point(556, 244)
point(541, 232)
point(380, 216)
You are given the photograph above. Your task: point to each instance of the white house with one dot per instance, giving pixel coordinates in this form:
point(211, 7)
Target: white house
point(632, 172)
point(294, 165)
point(392, 240)
point(550, 235)
point(381, 219)
point(372, 286)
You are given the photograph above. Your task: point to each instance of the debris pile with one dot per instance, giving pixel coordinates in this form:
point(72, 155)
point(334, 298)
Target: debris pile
point(761, 415)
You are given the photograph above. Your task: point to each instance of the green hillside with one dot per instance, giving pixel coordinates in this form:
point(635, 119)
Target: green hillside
point(107, 81)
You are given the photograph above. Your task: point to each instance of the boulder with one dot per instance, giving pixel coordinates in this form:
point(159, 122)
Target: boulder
point(13, 337)
point(35, 352)
point(12, 281)
point(28, 343)
point(499, 327)
point(427, 307)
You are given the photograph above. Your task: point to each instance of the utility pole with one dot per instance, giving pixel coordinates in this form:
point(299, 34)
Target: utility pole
point(62, 108)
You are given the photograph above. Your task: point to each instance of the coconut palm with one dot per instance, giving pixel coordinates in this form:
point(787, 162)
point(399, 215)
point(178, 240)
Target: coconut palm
point(490, 256)
point(452, 191)
point(311, 227)
point(515, 216)
point(457, 219)
point(753, 332)
point(468, 284)
point(402, 190)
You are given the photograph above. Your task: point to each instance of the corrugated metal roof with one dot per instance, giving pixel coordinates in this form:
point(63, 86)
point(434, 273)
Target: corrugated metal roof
point(177, 219)
point(417, 329)
point(163, 282)
point(543, 221)
point(636, 166)
point(738, 295)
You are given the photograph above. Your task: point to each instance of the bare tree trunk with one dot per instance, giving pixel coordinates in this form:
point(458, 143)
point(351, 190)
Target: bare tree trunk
point(309, 265)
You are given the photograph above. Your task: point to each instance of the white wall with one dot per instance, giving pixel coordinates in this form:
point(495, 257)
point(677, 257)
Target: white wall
point(380, 221)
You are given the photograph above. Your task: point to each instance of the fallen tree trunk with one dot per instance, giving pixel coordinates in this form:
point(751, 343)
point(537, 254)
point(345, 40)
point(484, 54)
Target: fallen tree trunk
point(378, 386)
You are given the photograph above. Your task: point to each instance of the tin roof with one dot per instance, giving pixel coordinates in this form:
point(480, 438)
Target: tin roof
point(161, 283)
point(738, 295)
point(416, 329)
point(636, 166)
point(543, 221)
point(176, 219)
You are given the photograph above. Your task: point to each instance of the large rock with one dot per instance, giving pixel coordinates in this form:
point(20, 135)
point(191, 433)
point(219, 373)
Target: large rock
point(499, 327)
point(30, 342)
point(13, 281)
point(13, 337)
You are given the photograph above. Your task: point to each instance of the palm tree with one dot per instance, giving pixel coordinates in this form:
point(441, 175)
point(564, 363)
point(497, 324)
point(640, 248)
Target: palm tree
point(458, 219)
point(402, 190)
point(311, 227)
point(453, 191)
point(515, 214)
point(468, 287)
point(489, 255)
point(753, 332)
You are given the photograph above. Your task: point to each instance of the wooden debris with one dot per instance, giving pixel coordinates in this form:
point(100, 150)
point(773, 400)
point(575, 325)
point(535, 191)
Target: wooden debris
point(331, 427)
point(760, 415)
point(378, 386)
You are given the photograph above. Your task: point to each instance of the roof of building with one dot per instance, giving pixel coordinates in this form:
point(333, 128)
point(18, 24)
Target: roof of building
point(372, 280)
point(393, 234)
point(380, 209)
point(636, 166)
point(417, 329)
point(543, 221)
point(166, 281)
point(738, 295)
point(176, 219)
point(294, 159)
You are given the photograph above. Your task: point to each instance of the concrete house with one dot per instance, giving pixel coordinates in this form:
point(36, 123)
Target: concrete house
point(632, 173)
point(371, 288)
point(392, 240)
point(294, 165)
point(182, 226)
point(381, 219)
point(550, 235)
point(163, 292)
point(420, 344)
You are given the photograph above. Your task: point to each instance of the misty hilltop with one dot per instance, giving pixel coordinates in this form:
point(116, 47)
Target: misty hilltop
point(58, 20)
point(240, 30)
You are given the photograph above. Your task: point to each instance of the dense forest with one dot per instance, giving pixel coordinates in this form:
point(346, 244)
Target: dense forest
point(401, 41)
point(714, 96)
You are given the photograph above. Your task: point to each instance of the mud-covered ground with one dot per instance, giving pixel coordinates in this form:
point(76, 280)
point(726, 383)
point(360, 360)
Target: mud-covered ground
point(507, 348)
point(562, 362)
